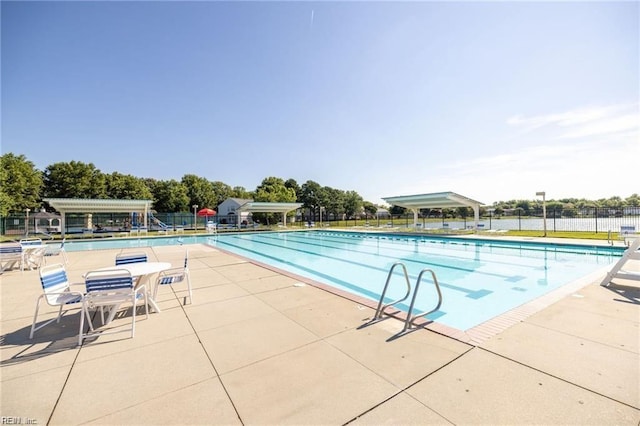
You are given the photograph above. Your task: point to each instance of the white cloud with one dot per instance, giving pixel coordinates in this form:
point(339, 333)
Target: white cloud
point(585, 153)
point(584, 122)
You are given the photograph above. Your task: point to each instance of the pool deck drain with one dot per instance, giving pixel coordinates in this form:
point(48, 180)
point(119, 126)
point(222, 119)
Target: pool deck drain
point(256, 347)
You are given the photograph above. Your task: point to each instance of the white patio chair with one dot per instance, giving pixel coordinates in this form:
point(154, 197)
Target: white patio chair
point(56, 250)
point(31, 242)
point(10, 255)
point(34, 258)
point(32, 253)
point(109, 289)
point(57, 292)
point(124, 258)
point(175, 276)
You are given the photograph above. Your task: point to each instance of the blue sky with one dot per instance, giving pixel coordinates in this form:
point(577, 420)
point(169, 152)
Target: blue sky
point(493, 100)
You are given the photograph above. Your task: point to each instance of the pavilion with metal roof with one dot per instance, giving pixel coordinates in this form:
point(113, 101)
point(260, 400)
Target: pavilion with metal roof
point(436, 200)
point(265, 207)
point(85, 205)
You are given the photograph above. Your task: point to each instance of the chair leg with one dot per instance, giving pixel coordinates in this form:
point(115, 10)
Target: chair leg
point(190, 292)
point(82, 325)
point(59, 314)
point(133, 315)
point(146, 305)
point(35, 318)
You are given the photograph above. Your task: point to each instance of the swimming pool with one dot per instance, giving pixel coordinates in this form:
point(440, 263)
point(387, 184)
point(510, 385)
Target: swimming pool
point(479, 279)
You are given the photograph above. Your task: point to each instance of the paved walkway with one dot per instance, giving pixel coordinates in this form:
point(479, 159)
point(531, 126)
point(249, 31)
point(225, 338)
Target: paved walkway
point(260, 347)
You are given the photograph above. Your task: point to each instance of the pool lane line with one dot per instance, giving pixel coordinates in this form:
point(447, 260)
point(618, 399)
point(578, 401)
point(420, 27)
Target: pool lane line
point(390, 247)
point(450, 244)
point(468, 292)
point(392, 258)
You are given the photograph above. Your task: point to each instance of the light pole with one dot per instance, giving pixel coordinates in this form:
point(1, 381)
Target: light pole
point(195, 217)
point(26, 222)
point(544, 210)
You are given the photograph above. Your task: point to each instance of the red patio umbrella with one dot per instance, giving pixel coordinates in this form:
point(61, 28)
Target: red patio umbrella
point(206, 212)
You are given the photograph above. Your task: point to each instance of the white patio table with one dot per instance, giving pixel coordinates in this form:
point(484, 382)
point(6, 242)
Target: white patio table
point(143, 271)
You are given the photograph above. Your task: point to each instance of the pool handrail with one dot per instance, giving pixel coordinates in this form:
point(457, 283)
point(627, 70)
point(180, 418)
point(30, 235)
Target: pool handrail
point(380, 309)
point(410, 321)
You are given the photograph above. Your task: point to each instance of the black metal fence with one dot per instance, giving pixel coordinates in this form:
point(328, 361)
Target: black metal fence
point(566, 220)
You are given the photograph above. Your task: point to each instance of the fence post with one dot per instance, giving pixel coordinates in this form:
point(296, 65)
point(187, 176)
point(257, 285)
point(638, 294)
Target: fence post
point(596, 214)
point(519, 222)
point(554, 220)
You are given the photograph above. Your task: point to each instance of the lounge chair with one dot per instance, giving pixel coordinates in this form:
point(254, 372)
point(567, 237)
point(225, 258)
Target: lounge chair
point(57, 292)
point(631, 253)
point(56, 250)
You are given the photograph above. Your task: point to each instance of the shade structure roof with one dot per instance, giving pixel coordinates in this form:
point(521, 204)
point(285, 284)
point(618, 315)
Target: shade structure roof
point(433, 200)
point(87, 205)
point(263, 207)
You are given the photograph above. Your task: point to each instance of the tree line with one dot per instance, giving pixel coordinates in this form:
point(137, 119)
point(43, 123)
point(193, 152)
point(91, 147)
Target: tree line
point(23, 186)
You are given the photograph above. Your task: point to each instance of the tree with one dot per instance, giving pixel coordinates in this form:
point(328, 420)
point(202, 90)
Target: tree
point(370, 209)
point(240, 192)
point(525, 206)
point(222, 191)
point(633, 200)
point(200, 191)
point(352, 203)
point(554, 208)
point(170, 196)
point(310, 193)
point(272, 190)
point(20, 184)
point(126, 187)
point(335, 202)
point(74, 179)
point(6, 202)
point(397, 210)
point(463, 212)
point(291, 183)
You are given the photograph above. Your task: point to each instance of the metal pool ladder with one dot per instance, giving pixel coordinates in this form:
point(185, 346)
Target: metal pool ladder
point(409, 322)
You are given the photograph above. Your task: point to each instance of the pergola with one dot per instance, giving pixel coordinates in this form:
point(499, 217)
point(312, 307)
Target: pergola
point(84, 205)
point(436, 200)
point(263, 207)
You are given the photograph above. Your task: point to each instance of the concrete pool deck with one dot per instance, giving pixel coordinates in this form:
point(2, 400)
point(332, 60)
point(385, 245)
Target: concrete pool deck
point(260, 347)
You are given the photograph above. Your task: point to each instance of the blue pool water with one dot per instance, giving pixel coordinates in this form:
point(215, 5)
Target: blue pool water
point(479, 279)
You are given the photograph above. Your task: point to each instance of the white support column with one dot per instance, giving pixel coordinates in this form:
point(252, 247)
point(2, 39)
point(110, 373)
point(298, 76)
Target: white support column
point(415, 218)
point(63, 223)
point(476, 216)
point(284, 219)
